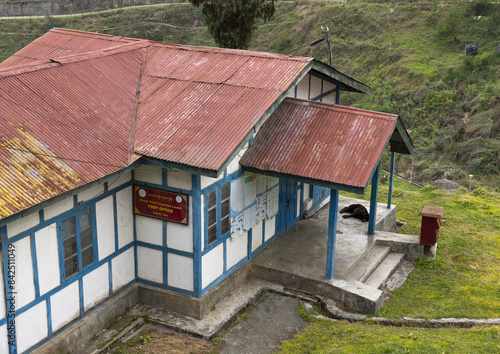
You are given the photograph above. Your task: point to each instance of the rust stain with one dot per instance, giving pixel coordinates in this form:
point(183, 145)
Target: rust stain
point(30, 173)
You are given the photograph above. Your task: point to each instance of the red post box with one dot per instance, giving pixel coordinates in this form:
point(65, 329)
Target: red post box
point(432, 217)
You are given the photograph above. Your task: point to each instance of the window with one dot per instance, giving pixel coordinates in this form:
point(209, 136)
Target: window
point(77, 230)
point(214, 209)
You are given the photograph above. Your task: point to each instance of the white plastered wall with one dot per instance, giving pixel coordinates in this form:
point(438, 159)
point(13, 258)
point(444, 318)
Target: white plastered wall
point(212, 264)
point(256, 236)
point(270, 228)
point(118, 181)
point(31, 326)
point(150, 264)
point(125, 217)
point(180, 272)
point(316, 88)
point(123, 269)
point(105, 221)
point(236, 250)
point(331, 98)
point(3, 308)
point(149, 174)
point(95, 286)
point(149, 230)
point(180, 237)
point(90, 193)
point(4, 344)
point(58, 208)
point(47, 252)
point(65, 305)
point(25, 284)
point(20, 225)
point(179, 179)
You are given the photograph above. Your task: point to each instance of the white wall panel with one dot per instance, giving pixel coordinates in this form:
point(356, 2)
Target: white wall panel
point(149, 174)
point(22, 224)
point(95, 286)
point(207, 181)
point(65, 306)
point(90, 193)
point(125, 217)
point(179, 236)
point(118, 181)
point(237, 249)
point(31, 326)
point(303, 88)
point(150, 264)
point(123, 268)
point(25, 284)
point(105, 227)
point(256, 236)
point(47, 254)
point(180, 272)
point(179, 179)
point(4, 344)
point(270, 228)
point(58, 208)
point(149, 230)
point(212, 265)
point(315, 86)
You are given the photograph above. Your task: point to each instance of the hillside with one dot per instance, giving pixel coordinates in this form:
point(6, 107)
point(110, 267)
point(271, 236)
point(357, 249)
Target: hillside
point(412, 54)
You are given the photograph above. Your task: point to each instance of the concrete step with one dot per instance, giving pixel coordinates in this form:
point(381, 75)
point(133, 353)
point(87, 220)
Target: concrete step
point(385, 270)
point(371, 261)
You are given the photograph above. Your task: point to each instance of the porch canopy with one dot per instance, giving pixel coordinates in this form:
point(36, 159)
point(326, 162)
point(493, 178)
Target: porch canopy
point(333, 146)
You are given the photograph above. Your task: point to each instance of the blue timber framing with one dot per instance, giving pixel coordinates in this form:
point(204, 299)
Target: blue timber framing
point(373, 201)
point(391, 181)
point(196, 188)
point(332, 233)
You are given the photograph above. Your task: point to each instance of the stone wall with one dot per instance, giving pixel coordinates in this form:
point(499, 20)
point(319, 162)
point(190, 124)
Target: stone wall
point(61, 7)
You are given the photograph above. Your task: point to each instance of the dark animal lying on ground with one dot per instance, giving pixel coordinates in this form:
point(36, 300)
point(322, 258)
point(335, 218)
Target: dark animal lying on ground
point(356, 211)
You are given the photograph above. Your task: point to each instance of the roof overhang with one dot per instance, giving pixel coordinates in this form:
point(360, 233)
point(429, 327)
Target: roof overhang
point(331, 146)
point(347, 82)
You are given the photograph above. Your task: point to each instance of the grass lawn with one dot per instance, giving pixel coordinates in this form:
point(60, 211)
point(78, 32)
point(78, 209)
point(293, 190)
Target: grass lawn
point(342, 337)
point(463, 281)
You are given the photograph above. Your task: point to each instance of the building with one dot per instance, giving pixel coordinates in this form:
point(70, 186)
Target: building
point(121, 179)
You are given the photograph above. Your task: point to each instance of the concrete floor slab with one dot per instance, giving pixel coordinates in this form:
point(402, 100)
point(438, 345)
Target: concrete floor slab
point(297, 258)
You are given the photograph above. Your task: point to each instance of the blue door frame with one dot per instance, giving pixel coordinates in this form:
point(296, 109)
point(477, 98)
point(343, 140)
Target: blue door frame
point(287, 214)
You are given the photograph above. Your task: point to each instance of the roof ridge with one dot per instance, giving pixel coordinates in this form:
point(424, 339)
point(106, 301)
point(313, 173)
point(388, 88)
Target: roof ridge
point(72, 58)
point(96, 35)
point(337, 107)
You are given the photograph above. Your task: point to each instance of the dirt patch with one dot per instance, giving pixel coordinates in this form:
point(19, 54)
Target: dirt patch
point(153, 340)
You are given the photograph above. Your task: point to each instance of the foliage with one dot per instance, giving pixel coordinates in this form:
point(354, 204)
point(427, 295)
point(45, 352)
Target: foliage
point(232, 22)
point(451, 26)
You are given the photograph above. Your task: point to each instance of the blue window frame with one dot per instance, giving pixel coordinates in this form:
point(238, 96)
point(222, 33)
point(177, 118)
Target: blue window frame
point(78, 242)
point(218, 212)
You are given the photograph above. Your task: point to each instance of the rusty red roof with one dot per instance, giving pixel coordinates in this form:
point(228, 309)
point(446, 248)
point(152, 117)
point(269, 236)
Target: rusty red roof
point(329, 145)
point(78, 106)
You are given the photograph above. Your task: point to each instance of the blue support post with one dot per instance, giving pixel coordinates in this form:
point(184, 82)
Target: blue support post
point(196, 196)
point(373, 201)
point(332, 232)
point(391, 181)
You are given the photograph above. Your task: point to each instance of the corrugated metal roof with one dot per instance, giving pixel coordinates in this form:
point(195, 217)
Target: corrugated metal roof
point(77, 106)
point(335, 144)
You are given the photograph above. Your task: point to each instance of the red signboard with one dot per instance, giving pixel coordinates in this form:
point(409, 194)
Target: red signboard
point(161, 204)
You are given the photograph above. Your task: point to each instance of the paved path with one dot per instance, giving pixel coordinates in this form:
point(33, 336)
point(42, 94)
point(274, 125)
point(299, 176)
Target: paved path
point(274, 319)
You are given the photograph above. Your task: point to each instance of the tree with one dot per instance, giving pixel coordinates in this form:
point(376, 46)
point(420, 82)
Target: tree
point(232, 22)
